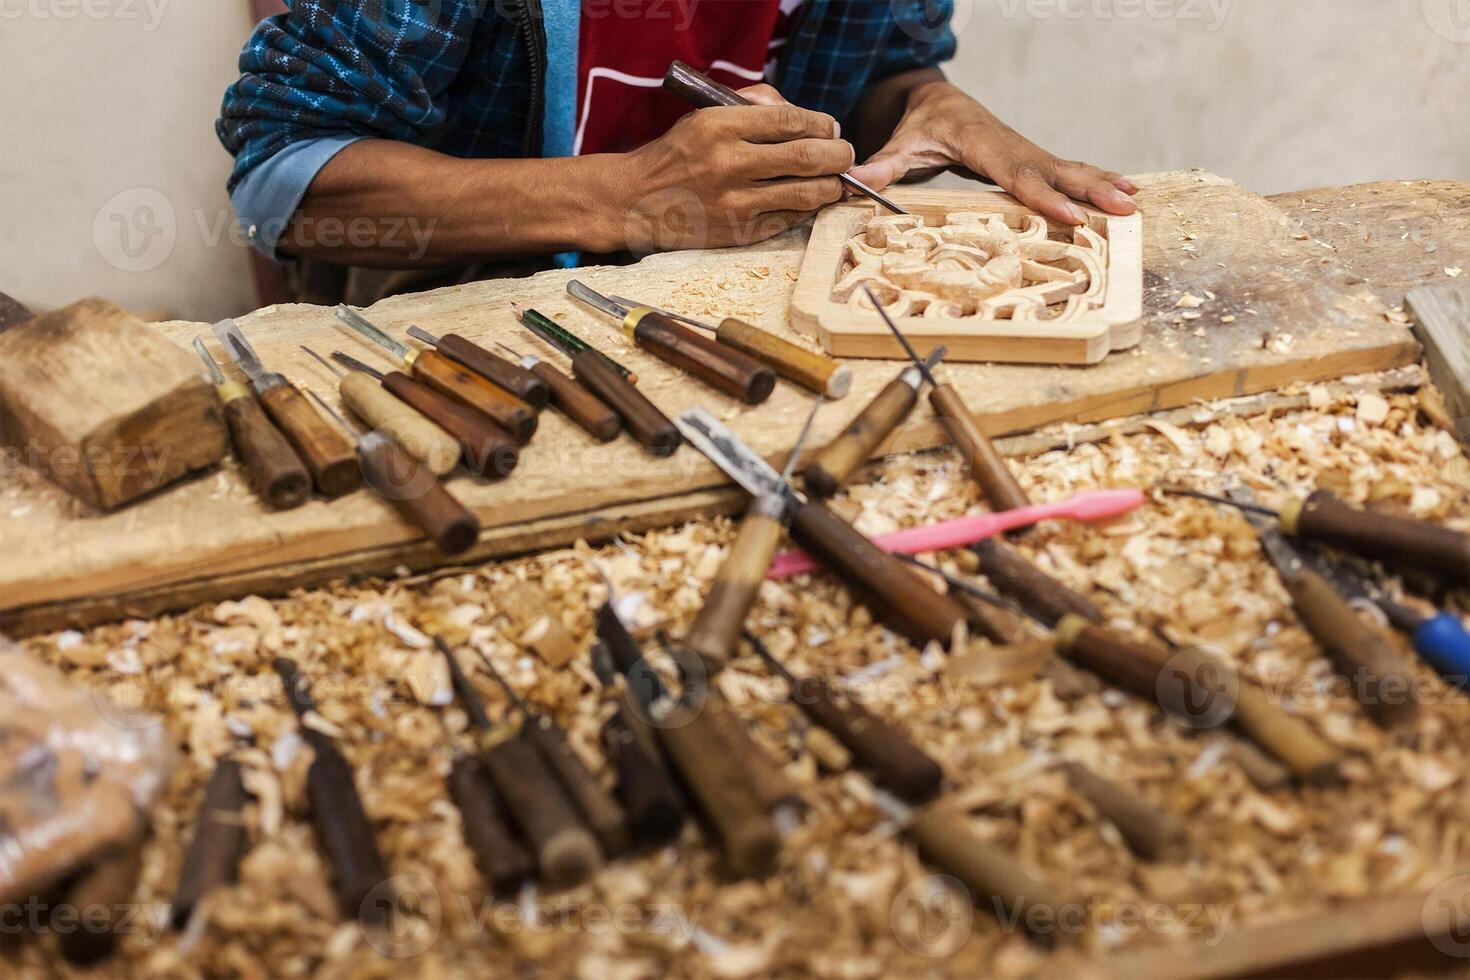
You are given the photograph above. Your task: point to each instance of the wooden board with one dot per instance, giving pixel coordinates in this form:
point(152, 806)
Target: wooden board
point(1293, 320)
point(1443, 327)
point(1083, 339)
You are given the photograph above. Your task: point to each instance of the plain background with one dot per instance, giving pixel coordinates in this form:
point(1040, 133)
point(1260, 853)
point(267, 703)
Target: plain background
point(112, 181)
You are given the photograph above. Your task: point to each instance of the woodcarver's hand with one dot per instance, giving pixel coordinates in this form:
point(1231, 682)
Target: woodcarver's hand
point(943, 127)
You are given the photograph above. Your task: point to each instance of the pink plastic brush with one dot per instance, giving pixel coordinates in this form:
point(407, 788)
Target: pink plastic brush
point(1092, 505)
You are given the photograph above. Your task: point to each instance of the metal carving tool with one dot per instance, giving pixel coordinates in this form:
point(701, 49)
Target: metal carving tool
point(494, 368)
point(571, 399)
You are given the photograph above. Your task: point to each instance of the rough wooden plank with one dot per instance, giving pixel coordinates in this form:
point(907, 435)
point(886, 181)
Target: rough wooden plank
point(1443, 315)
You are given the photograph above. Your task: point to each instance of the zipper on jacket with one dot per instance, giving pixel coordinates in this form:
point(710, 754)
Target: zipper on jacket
point(533, 36)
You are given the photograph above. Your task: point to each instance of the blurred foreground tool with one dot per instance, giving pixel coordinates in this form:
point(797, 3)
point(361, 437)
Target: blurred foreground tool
point(1442, 324)
point(1323, 518)
point(566, 852)
point(276, 473)
point(723, 368)
point(817, 373)
point(326, 452)
point(413, 490)
point(364, 891)
point(104, 405)
point(507, 374)
point(220, 841)
point(987, 466)
point(12, 311)
point(573, 400)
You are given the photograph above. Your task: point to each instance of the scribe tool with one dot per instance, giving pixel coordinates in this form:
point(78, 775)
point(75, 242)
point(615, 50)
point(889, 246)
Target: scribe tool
point(494, 368)
point(571, 399)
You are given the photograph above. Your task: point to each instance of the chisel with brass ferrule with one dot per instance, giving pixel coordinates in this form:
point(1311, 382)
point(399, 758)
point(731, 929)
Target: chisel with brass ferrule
point(494, 368)
point(723, 368)
point(452, 378)
point(330, 457)
point(573, 400)
point(817, 373)
point(987, 466)
point(274, 470)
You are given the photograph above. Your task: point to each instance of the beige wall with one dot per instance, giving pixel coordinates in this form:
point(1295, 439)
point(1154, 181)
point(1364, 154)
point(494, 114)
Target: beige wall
point(1279, 94)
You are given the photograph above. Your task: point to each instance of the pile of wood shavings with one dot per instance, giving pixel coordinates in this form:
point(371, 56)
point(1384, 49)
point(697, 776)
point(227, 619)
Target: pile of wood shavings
point(1186, 568)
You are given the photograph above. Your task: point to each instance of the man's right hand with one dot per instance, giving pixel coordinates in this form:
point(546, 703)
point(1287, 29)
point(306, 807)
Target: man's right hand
point(730, 175)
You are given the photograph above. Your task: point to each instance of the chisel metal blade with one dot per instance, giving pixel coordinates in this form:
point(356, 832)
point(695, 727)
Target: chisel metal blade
point(230, 337)
point(1282, 554)
point(725, 449)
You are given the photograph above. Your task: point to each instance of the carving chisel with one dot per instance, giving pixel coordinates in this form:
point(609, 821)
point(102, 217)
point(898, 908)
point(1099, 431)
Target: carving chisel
point(453, 379)
point(275, 472)
point(413, 490)
point(329, 456)
point(507, 374)
point(986, 465)
point(703, 92)
point(817, 373)
point(723, 368)
point(573, 400)
point(220, 841)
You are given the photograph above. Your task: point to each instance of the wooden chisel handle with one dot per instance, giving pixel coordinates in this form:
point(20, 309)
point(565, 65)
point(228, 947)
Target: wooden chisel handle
point(895, 593)
point(651, 800)
point(498, 854)
point(486, 448)
point(1397, 540)
point(722, 368)
point(1148, 831)
point(219, 841)
point(415, 434)
point(328, 453)
point(814, 372)
point(987, 466)
point(1030, 586)
point(769, 784)
point(715, 631)
point(458, 381)
point(1361, 653)
point(650, 427)
point(579, 404)
point(345, 832)
point(276, 473)
point(1290, 740)
point(856, 444)
point(418, 495)
point(103, 894)
point(566, 852)
point(596, 805)
point(515, 379)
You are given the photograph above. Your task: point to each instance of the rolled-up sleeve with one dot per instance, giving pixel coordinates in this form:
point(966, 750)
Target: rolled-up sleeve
point(923, 37)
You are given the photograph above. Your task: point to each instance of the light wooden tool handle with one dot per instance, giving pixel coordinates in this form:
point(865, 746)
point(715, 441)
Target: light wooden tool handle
point(219, 841)
point(715, 631)
point(418, 496)
point(486, 448)
point(1287, 738)
point(458, 381)
point(1149, 832)
point(650, 427)
point(1030, 586)
point(499, 855)
point(722, 368)
point(815, 372)
point(496, 369)
point(997, 625)
point(345, 833)
point(855, 445)
point(566, 852)
point(276, 473)
point(895, 593)
point(579, 404)
point(897, 764)
point(416, 435)
point(769, 784)
point(1397, 540)
point(1362, 654)
point(598, 808)
point(651, 801)
point(987, 466)
point(329, 455)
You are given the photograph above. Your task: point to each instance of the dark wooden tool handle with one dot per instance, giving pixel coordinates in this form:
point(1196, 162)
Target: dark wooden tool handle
point(219, 841)
point(1123, 662)
point(276, 473)
point(651, 800)
point(566, 852)
point(457, 381)
point(650, 427)
point(103, 894)
point(345, 833)
point(769, 784)
point(856, 444)
point(489, 450)
point(715, 631)
point(699, 90)
point(596, 805)
point(500, 857)
point(416, 493)
point(814, 372)
point(1397, 540)
point(496, 369)
point(897, 764)
point(895, 593)
point(1150, 833)
point(1363, 655)
point(1029, 585)
point(721, 790)
point(987, 466)
point(328, 453)
point(722, 368)
point(579, 404)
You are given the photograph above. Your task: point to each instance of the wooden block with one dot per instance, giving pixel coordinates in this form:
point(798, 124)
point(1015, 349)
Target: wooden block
point(105, 405)
point(534, 623)
point(1443, 327)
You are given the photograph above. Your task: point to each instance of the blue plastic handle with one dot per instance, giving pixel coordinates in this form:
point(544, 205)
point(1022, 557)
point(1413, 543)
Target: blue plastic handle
point(1443, 642)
